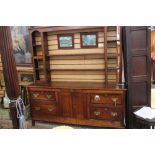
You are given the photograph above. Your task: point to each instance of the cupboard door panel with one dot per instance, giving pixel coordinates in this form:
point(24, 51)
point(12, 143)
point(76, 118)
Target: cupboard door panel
point(137, 60)
point(79, 105)
point(65, 101)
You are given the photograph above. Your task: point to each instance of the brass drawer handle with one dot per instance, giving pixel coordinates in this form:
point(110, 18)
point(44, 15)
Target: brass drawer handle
point(114, 114)
point(35, 95)
point(97, 97)
point(49, 96)
point(114, 100)
point(37, 108)
point(51, 109)
point(97, 113)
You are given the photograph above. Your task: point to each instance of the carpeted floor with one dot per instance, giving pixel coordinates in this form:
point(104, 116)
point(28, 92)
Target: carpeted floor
point(7, 124)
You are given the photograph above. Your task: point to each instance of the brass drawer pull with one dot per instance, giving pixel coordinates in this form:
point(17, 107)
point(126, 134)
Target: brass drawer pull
point(97, 97)
point(51, 109)
point(37, 108)
point(35, 95)
point(49, 96)
point(97, 113)
point(114, 100)
point(114, 114)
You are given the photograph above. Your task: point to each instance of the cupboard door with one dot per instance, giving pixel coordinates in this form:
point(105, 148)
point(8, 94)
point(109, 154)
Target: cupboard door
point(79, 105)
point(65, 101)
point(137, 60)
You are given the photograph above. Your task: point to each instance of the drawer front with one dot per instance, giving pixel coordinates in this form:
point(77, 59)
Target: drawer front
point(43, 95)
point(43, 102)
point(114, 99)
point(43, 109)
point(112, 114)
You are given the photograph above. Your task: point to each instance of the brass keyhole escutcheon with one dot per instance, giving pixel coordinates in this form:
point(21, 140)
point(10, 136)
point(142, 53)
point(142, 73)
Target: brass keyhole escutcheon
point(97, 113)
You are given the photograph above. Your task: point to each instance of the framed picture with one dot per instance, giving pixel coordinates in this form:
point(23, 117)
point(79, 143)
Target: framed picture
point(21, 46)
point(26, 77)
point(65, 41)
point(89, 39)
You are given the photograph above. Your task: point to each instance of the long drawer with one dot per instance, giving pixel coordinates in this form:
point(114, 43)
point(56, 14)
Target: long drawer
point(112, 99)
point(47, 108)
point(106, 113)
point(43, 95)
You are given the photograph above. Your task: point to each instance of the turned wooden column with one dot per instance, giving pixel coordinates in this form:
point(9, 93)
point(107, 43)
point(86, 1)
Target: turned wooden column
point(9, 71)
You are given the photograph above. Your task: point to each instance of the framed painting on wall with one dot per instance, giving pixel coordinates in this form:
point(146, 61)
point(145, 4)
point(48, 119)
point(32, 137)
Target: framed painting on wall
point(21, 46)
point(89, 40)
point(65, 41)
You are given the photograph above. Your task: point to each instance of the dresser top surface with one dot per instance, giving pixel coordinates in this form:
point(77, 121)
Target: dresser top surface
point(79, 85)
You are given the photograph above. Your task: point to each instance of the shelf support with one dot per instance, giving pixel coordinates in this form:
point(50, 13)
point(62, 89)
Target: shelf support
point(105, 56)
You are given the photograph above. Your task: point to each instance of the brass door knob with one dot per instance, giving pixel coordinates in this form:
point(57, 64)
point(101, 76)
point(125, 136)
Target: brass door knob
point(97, 98)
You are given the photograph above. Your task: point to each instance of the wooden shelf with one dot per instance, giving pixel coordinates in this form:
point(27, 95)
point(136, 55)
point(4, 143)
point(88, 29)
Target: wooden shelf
point(115, 40)
point(40, 81)
point(76, 69)
point(34, 45)
point(113, 28)
point(111, 68)
point(38, 57)
point(39, 68)
point(111, 46)
point(109, 55)
point(82, 69)
point(76, 54)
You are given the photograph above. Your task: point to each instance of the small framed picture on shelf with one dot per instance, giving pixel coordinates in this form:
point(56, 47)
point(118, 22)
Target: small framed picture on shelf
point(26, 77)
point(89, 39)
point(65, 41)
